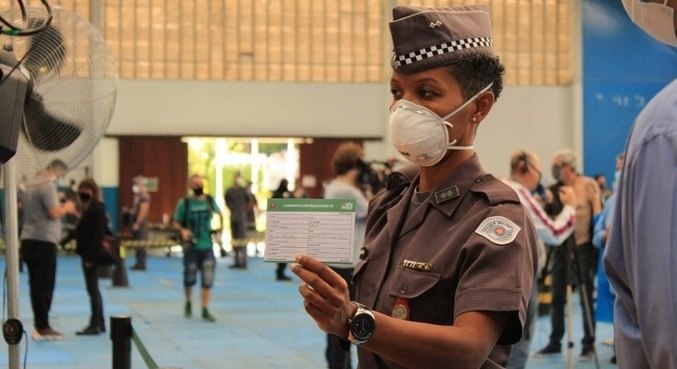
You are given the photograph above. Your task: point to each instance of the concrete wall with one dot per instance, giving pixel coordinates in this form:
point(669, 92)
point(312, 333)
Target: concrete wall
point(541, 119)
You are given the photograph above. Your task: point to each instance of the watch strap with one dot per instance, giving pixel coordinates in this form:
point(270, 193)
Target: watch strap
point(361, 309)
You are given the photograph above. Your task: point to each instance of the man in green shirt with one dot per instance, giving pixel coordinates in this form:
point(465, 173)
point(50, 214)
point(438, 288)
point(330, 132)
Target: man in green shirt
point(193, 217)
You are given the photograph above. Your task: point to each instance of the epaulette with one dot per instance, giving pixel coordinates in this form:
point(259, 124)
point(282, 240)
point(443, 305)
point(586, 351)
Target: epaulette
point(401, 178)
point(397, 182)
point(494, 190)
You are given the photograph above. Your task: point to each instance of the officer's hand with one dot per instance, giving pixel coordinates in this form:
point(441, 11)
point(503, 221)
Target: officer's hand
point(325, 295)
point(567, 195)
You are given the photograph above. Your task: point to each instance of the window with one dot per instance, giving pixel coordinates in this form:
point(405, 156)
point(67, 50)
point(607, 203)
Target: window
point(326, 41)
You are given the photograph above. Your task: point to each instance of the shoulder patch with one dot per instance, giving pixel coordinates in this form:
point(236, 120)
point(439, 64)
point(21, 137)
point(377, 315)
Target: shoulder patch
point(499, 230)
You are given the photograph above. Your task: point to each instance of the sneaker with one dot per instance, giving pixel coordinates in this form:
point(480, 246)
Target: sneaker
point(37, 336)
point(187, 310)
point(207, 316)
point(89, 330)
point(587, 353)
point(46, 334)
point(551, 348)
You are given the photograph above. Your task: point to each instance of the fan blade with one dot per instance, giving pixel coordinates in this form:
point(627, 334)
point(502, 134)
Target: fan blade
point(47, 50)
point(45, 131)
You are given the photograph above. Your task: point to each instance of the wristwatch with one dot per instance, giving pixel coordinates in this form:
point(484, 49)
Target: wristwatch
point(361, 326)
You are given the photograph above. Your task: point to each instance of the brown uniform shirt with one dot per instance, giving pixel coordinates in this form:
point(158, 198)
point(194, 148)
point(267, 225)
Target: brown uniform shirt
point(470, 246)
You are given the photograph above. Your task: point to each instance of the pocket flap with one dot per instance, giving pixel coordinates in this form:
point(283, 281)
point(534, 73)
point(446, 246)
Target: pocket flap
point(410, 284)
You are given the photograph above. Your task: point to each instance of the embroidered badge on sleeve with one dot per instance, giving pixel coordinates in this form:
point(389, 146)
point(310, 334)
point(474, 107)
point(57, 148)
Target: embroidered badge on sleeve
point(498, 230)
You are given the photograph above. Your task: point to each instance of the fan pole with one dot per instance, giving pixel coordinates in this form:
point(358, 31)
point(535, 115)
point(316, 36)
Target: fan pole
point(12, 254)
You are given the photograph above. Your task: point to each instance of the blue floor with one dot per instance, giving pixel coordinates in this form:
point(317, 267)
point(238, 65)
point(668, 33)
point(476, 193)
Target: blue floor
point(261, 323)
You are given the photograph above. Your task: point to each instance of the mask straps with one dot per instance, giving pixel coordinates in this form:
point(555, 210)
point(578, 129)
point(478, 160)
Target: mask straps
point(452, 145)
point(467, 102)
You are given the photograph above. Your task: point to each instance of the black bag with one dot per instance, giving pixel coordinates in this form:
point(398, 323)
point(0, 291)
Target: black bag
point(109, 250)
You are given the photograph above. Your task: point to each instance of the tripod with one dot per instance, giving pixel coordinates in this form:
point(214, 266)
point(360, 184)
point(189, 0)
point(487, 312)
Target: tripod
point(568, 268)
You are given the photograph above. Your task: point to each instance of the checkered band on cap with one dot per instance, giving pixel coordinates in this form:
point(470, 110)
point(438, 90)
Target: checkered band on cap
point(435, 50)
point(426, 38)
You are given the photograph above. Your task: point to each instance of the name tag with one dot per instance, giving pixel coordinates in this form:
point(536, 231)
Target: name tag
point(416, 265)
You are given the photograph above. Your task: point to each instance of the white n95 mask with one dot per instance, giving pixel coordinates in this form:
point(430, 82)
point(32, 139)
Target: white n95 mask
point(420, 135)
point(654, 18)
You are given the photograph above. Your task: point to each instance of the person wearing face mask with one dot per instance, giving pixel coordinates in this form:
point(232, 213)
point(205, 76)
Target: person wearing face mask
point(193, 218)
point(640, 254)
point(138, 218)
point(40, 232)
point(450, 254)
point(525, 175)
point(576, 256)
point(89, 234)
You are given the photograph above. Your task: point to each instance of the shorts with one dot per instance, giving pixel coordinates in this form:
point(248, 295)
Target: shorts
point(202, 260)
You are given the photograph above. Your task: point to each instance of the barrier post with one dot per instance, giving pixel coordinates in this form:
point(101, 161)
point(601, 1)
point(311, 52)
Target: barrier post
point(121, 335)
point(119, 271)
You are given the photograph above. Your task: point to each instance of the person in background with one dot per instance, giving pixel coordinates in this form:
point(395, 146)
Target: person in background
point(450, 253)
point(70, 221)
point(40, 233)
point(138, 218)
point(603, 224)
point(605, 295)
point(252, 210)
point(238, 201)
point(193, 218)
point(300, 191)
point(525, 176)
point(89, 233)
point(578, 255)
point(282, 192)
point(641, 252)
point(605, 191)
point(346, 166)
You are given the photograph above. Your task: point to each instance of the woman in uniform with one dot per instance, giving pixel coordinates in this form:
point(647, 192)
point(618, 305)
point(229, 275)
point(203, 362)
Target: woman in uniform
point(445, 274)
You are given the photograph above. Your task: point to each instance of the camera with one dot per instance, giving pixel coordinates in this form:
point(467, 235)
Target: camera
point(373, 174)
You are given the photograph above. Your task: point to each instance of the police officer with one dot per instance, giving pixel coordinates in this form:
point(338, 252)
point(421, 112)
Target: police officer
point(449, 259)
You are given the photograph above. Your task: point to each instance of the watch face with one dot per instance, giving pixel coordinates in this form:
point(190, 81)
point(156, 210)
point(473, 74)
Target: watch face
point(363, 326)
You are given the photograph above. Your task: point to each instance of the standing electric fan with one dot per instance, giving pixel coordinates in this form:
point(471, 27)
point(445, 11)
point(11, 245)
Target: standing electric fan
point(58, 84)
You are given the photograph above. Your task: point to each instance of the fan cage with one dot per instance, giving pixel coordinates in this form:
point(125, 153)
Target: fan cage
point(75, 76)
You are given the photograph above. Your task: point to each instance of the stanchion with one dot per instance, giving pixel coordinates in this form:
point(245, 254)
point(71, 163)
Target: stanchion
point(120, 272)
point(121, 335)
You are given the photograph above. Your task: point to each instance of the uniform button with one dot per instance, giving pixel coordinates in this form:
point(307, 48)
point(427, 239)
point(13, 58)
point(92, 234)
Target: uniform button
point(478, 180)
point(363, 253)
point(403, 289)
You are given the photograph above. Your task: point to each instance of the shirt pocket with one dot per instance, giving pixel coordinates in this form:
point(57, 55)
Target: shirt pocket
point(411, 284)
point(425, 295)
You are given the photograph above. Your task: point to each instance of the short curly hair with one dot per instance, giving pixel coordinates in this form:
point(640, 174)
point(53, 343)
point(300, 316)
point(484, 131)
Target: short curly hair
point(477, 71)
point(346, 157)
